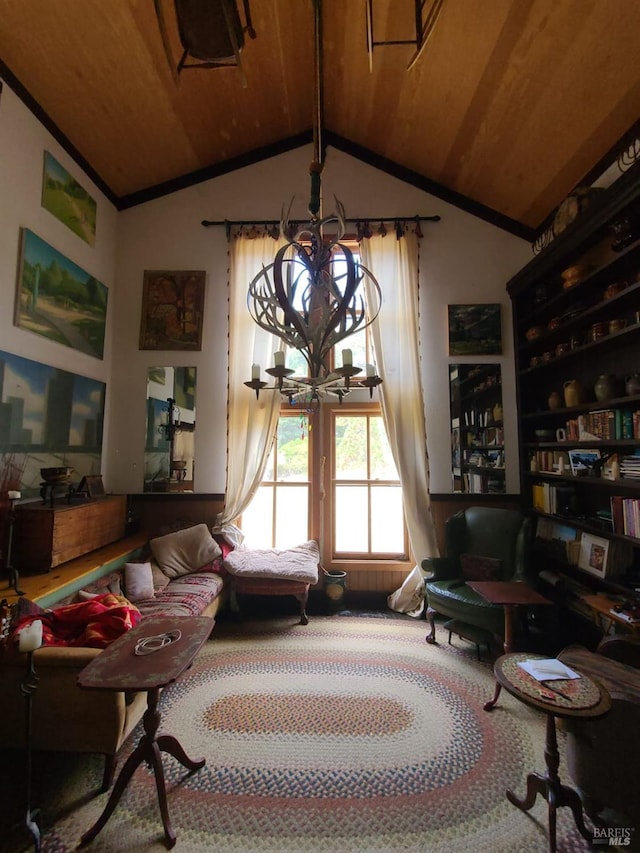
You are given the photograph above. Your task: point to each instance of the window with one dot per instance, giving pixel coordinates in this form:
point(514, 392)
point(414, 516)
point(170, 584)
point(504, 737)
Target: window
point(280, 513)
point(366, 496)
point(331, 477)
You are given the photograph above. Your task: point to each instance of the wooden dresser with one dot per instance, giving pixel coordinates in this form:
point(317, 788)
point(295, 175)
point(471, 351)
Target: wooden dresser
point(46, 536)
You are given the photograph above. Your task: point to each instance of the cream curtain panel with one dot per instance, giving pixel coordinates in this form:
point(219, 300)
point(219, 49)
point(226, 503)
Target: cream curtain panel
point(395, 334)
point(251, 422)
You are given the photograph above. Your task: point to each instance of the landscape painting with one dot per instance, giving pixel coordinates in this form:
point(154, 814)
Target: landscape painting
point(49, 418)
point(67, 200)
point(59, 300)
point(475, 329)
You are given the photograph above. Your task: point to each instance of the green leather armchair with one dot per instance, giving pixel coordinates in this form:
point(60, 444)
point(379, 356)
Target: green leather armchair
point(503, 535)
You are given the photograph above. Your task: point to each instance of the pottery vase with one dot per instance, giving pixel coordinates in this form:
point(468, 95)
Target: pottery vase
point(574, 393)
point(605, 387)
point(632, 384)
point(497, 413)
point(555, 400)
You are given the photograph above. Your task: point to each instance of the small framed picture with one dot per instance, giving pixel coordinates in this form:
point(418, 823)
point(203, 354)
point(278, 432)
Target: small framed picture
point(92, 485)
point(582, 461)
point(594, 554)
point(475, 329)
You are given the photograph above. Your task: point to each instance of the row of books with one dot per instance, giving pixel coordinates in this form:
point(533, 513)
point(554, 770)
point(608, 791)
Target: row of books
point(604, 424)
point(545, 498)
point(630, 467)
point(625, 515)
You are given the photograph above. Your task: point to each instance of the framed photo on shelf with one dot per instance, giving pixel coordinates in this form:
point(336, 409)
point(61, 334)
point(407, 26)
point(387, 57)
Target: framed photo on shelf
point(594, 555)
point(92, 485)
point(581, 461)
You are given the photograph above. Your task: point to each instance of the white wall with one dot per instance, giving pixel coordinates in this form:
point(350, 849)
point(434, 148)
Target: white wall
point(23, 141)
point(463, 260)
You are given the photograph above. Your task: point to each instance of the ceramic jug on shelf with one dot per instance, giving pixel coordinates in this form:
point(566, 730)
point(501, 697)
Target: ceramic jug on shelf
point(605, 387)
point(497, 413)
point(555, 400)
point(574, 393)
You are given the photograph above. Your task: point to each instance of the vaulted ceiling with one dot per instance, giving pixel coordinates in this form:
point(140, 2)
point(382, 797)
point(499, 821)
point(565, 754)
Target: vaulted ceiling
point(511, 104)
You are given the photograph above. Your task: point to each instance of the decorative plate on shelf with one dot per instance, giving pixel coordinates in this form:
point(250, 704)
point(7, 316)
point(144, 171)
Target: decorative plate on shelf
point(574, 204)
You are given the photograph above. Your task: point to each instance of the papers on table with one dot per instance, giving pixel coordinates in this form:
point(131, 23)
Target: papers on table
point(548, 670)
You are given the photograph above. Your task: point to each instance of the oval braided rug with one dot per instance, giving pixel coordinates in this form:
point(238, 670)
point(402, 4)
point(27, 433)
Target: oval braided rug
point(349, 734)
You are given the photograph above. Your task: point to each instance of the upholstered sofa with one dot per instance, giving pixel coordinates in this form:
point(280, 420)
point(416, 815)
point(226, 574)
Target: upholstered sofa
point(182, 577)
point(482, 543)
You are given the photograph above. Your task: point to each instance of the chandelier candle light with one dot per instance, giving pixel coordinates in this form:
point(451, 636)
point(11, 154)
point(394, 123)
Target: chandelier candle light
point(303, 299)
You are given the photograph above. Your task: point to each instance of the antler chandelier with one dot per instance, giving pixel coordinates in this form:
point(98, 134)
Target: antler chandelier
point(304, 298)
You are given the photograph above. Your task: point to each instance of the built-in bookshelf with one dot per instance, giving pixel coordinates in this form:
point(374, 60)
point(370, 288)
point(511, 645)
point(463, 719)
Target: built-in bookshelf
point(576, 312)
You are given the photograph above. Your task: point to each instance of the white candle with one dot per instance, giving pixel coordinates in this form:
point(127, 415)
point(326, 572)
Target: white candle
point(255, 371)
point(30, 637)
point(347, 358)
point(278, 359)
point(14, 496)
point(370, 371)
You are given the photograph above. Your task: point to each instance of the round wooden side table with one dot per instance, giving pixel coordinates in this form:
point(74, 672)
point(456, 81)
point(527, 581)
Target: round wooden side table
point(582, 697)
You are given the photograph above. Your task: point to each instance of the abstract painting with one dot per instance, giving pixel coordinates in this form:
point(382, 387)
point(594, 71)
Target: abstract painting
point(172, 310)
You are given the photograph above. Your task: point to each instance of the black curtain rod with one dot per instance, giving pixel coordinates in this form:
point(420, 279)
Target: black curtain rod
point(230, 223)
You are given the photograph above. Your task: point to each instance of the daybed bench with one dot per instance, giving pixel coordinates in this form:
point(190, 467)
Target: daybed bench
point(273, 572)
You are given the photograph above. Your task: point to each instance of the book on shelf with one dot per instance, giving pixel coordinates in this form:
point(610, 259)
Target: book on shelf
point(625, 513)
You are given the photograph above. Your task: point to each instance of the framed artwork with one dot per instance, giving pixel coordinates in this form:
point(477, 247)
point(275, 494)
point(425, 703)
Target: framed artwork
point(581, 461)
point(59, 300)
point(475, 329)
point(50, 418)
point(594, 552)
point(92, 485)
point(172, 310)
point(67, 200)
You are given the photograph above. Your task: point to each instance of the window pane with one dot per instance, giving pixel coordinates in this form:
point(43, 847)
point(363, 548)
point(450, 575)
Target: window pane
point(292, 516)
point(257, 520)
point(351, 448)
point(382, 464)
point(387, 520)
point(293, 448)
point(268, 472)
point(352, 522)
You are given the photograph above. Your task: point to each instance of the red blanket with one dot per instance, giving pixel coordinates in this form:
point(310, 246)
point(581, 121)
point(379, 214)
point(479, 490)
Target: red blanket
point(94, 623)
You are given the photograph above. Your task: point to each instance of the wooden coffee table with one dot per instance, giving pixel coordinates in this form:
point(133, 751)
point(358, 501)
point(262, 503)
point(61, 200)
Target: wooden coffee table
point(583, 697)
point(123, 665)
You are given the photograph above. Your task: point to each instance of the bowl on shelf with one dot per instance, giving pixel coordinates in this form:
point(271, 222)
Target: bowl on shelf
point(55, 475)
point(544, 434)
point(533, 333)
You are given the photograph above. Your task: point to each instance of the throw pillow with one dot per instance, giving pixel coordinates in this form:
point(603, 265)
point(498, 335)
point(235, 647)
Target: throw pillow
point(185, 551)
point(138, 581)
point(478, 568)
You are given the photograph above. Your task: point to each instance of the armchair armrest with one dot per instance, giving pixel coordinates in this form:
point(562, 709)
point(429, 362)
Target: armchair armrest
point(440, 568)
point(622, 649)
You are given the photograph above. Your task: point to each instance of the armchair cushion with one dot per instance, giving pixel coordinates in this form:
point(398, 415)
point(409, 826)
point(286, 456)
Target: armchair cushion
point(475, 567)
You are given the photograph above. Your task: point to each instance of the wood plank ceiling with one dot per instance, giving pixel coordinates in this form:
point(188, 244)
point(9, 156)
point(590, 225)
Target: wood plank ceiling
point(511, 104)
